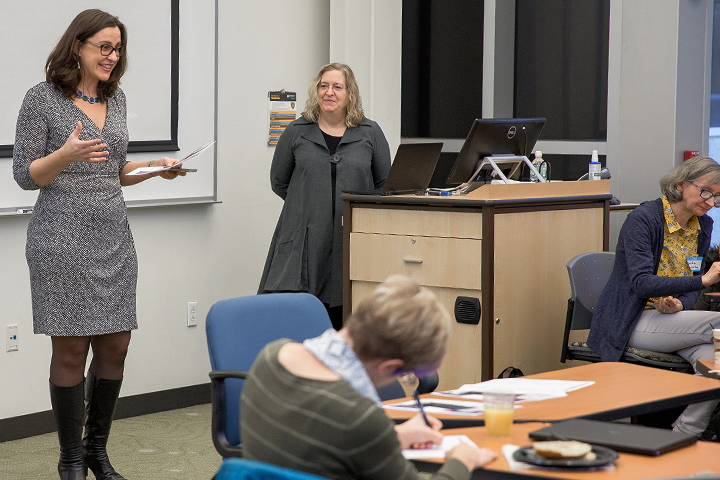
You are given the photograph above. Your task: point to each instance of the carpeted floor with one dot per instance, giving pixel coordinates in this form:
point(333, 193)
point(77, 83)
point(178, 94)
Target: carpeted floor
point(174, 445)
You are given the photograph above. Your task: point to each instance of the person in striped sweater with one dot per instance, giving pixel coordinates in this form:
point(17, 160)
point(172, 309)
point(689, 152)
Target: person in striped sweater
point(314, 406)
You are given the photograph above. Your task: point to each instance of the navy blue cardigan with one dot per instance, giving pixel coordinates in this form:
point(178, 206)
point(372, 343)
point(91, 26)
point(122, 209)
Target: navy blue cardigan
point(634, 279)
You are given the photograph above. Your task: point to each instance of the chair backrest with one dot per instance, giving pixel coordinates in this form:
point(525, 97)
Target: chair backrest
point(391, 391)
point(237, 329)
point(589, 273)
point(241, 469)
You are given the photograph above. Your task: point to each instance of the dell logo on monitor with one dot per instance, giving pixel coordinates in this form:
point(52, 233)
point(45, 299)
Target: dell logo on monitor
point(511, 132)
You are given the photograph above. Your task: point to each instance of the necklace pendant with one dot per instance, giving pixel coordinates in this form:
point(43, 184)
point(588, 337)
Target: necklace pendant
point(92, 100)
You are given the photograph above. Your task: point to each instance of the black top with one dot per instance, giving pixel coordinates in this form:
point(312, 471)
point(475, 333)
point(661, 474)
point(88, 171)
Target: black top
point(332, 142)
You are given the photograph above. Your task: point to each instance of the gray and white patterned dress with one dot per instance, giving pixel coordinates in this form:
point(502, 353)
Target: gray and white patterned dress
point(83, 265)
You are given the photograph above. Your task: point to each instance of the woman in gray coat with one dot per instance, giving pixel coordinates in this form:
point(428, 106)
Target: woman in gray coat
point(330, 149)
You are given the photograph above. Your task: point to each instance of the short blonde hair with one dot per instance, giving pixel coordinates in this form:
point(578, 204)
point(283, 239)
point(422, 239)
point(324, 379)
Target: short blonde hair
point(689, 171)
point(354, 114)
point(401, 320)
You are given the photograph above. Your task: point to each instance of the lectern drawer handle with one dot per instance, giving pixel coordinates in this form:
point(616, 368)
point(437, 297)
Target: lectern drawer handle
point(412, 260)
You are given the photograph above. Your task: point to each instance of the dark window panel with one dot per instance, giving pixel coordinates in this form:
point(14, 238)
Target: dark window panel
point(561, 66)
point(441, 67)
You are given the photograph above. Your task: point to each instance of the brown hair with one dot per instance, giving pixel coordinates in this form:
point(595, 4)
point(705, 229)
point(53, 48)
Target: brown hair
point(61, 68)
point(401, 320)
point(354, 114)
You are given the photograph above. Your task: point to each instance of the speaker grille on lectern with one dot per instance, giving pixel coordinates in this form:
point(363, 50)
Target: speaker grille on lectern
point(467, 310)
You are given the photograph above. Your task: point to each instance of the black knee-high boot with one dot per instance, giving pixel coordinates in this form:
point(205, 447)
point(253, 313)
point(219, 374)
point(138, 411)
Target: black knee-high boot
point(69, 408)
point(101, 398)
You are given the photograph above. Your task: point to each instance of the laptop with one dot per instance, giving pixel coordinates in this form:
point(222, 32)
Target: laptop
point(623, 437)
point(412, 168)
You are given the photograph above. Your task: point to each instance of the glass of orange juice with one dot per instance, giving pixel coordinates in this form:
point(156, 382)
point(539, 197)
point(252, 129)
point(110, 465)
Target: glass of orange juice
point(498, 413)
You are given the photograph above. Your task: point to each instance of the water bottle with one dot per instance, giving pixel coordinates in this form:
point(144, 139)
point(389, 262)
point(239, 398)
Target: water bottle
point(539, 164)
point(594, 167)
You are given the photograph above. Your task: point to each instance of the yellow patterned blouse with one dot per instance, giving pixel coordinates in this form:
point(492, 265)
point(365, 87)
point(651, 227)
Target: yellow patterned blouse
point(679, 244)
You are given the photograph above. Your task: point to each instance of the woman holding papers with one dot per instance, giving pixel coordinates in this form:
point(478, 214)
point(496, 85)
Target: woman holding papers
point(649, 300)
point(314, 406)
point(71, 144)
point(332, 148)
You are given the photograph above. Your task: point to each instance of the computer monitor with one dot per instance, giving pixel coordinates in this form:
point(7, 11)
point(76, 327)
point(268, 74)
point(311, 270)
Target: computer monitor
point(494, 136)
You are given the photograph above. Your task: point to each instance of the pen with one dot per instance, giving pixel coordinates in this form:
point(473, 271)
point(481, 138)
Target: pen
point(21, 211)
point(183, 170)
point(420, 407)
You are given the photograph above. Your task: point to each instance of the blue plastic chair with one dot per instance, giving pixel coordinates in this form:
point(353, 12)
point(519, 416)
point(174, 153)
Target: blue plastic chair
point(237, 330)
point(239, 469)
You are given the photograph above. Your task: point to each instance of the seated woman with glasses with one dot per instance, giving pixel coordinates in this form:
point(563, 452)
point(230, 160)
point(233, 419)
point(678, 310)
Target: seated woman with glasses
point(657, 278)
point(314, 406)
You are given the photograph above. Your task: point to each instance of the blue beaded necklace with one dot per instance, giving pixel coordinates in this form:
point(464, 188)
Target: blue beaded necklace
point(79, 94)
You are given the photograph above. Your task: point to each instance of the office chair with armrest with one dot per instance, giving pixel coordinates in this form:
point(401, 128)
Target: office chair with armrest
point(237, 330)
point(426, 384)
point(589, 272)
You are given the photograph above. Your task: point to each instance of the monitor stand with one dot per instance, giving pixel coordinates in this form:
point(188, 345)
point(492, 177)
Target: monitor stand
point(495, 160)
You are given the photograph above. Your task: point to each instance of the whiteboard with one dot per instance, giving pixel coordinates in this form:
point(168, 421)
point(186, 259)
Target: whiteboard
point(169, 85)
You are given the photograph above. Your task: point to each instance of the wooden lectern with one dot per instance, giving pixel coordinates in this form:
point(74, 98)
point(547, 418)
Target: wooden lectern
point(500, 249)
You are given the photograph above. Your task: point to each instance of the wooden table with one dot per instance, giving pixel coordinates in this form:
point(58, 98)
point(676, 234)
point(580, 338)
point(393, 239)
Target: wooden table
point(702, 457)
point(708, 368)
point(621, 390)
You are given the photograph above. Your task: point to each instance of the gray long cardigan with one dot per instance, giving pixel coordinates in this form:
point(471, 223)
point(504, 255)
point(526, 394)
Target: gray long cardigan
point(306, 249)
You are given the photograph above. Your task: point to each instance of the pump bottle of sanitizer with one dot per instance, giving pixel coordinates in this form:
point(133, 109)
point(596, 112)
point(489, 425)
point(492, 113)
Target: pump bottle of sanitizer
point(594, 167)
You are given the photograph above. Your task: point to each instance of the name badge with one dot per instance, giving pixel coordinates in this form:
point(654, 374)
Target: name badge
point(695, 264)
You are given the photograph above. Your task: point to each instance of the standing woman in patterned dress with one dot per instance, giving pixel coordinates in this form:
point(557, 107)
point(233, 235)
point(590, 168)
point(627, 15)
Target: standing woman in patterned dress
point(71, 144)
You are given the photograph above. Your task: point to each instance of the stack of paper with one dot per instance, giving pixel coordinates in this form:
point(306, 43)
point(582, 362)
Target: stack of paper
point(526, 389)
point(193, 154)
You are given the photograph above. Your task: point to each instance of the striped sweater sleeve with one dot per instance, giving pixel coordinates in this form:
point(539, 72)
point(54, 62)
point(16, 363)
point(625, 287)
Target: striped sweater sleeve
point(322, 427)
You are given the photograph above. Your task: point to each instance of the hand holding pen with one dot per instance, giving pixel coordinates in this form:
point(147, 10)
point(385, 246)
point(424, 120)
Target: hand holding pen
point(416, 396)
point(421, 431)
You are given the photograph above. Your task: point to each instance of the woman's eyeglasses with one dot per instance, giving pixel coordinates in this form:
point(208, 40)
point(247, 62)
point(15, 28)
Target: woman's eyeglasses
point(324, 87)
point(706, 194)
point(106, 49)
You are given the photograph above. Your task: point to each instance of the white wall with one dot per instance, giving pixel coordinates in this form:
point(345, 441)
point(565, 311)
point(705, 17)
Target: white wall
point(201, 253)
point(658, 93)
point(367, 35)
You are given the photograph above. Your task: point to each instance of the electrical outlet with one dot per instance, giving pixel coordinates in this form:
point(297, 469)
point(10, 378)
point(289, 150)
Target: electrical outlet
point(12, 338)
point(191, 314)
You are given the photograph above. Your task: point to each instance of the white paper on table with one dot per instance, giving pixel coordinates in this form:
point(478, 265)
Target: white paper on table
point(438, 405)
point(193, 154)
point(508, 450)
point(438, 451)
point(523, 386)
point(520, 398)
